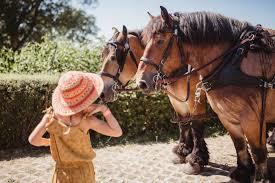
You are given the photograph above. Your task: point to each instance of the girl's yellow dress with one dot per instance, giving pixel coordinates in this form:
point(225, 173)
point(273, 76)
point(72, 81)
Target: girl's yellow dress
point(72, 151)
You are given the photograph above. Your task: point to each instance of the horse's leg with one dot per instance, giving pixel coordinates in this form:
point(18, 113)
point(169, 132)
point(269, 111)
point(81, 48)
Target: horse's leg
point(245, 166)
point(258, 149)
point(185, 145)
point(199, 156)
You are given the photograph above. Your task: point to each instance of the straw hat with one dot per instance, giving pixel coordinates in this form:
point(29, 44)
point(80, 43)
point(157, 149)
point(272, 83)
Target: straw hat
point(76, 91)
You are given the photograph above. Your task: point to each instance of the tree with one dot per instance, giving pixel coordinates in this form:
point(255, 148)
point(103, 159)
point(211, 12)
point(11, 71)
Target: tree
point(22, 21)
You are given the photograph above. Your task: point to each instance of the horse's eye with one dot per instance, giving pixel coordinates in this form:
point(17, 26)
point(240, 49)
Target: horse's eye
point(113, 58)
point(160, 42)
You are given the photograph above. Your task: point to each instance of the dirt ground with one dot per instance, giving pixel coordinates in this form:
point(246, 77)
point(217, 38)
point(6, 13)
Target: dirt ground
point(134, 163)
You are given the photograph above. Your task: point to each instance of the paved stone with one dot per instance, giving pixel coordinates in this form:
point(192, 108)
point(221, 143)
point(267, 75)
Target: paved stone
point(134, 163)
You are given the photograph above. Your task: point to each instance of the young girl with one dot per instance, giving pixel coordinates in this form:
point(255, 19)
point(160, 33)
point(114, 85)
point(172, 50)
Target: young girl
point(68, 123)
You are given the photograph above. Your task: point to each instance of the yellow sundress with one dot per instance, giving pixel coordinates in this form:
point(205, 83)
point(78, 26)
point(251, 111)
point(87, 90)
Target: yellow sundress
point(72, 151)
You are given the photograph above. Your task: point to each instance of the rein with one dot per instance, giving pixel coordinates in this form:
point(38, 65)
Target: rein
point(161, 79)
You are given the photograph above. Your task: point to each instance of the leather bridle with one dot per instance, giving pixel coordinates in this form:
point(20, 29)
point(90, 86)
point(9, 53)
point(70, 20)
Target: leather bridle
point(121, 55)
point(159, 67)
point(160, 75)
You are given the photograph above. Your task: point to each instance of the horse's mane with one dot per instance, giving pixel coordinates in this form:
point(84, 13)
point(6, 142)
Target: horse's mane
point(199, 27)
point(136, 32)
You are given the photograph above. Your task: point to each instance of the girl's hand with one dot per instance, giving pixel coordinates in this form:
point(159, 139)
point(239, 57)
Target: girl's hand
point(95, 108)
point(45, 142)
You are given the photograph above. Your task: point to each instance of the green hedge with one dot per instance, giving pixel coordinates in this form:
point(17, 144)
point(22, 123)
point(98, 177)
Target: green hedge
point(24, 97)
point(22, 100)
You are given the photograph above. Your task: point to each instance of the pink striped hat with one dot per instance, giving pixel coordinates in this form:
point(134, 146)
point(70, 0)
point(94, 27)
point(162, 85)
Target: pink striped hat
point(75, 92)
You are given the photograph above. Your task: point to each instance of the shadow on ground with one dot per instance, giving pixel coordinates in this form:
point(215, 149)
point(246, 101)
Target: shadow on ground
point(9, 154)
point(219, 169)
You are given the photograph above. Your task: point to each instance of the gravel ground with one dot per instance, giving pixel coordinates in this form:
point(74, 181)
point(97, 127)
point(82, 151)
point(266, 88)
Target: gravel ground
point(134, 163)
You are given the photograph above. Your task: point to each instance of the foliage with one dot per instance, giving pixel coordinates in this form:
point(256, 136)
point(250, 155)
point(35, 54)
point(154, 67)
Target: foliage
point(51, 56)
point(6, 60)
point(22, 21)
point(24, 99)
point(143, 118)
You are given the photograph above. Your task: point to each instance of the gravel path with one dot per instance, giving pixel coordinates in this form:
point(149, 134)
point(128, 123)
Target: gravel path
point(133, 163)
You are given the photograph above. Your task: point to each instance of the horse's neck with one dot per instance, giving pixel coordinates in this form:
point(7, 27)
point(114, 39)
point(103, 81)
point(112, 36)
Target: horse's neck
point(136, 47)
point(178, 89)
point(137, 50)
point(202, 54)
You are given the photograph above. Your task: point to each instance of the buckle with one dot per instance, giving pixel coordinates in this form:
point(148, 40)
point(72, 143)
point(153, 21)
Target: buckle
point(176, 30)
point(271, 86)
point(266, 84)
point(206, 86)
point(240, 51)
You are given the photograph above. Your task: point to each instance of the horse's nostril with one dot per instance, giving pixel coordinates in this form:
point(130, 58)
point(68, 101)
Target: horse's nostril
point(102, 95)
point(142, 85)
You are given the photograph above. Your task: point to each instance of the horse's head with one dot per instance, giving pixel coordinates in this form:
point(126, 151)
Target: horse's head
point(161, 51)
point(120, 59)
point(173, 41)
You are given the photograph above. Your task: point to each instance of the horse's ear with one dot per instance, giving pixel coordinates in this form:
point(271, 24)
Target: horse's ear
point(150, 15)
point(116, 32)
point(166, 17)
point(124, 30)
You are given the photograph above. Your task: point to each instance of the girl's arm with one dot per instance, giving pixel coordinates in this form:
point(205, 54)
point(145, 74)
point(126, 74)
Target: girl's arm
point(111, 128)
point(36, 137)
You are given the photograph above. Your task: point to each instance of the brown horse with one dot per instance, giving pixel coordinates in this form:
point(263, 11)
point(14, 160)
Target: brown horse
point(118, 72)
point(236, 62)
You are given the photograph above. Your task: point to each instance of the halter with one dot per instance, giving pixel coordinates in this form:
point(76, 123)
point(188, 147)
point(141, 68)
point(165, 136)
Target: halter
point(121, 58)
point(159, 67)
point(160, 78)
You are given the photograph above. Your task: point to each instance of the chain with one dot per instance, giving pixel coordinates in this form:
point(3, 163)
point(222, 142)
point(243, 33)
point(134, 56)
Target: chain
point(156, 78)
point(197, 95)
point(114, 88)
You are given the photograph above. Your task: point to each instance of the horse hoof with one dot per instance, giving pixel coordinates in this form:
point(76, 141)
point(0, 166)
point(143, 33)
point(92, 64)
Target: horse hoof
point(262, 181)
point(240, 176)
point(181, 150)
point(270, 148)
point(193, 169)
point(178, 160)
point(271, 140)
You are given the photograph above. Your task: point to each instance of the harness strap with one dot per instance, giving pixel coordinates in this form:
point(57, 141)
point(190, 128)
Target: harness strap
point(262, 115)
point(187, 89)
point(167, 50)
point(173, 79)
point(148, 62)
point(115, 78)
